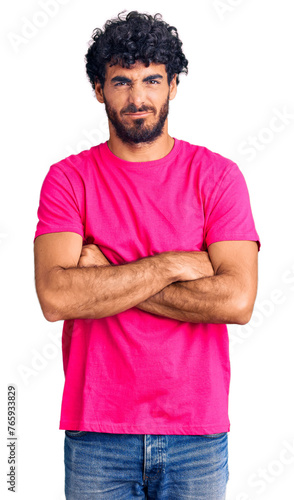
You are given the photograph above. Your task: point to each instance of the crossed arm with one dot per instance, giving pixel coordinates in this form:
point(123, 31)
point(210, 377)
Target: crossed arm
point(227, 296)
point(75, 281)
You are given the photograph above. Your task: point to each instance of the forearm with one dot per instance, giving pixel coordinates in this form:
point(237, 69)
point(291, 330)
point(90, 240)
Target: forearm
point(96, 292)
point(215, 299)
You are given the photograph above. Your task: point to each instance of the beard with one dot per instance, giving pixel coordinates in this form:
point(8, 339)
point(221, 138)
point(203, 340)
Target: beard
point(138, 132)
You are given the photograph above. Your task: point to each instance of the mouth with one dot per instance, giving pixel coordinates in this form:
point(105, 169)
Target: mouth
point(138, 114)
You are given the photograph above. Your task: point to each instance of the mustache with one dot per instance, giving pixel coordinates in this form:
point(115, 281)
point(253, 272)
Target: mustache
point(132, 108)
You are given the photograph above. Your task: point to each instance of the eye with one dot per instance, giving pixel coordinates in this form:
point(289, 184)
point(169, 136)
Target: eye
point(120, 83)
point(154, 82)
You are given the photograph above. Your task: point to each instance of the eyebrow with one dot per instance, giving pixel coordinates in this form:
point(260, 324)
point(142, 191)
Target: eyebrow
point(121, 79)
point(124, 79)
point(152, 77)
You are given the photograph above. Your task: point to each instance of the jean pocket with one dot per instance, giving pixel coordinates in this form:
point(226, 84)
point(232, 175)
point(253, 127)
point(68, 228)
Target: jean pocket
point(75, 433)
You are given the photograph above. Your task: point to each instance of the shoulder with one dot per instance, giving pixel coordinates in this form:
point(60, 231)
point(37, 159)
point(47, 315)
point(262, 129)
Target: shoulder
point(72, 174)
point(81, 163)
point(212, 166)
point(75, 172)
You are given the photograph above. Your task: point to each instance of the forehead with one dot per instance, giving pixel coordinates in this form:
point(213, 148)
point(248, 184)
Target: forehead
point(137, 71)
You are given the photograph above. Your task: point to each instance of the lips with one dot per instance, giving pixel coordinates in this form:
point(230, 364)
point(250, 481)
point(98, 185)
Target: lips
point(138, 114)
point(132, 110)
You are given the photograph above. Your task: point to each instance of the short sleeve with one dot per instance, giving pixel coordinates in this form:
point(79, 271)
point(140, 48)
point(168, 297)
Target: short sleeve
point(228, 215)
point(58, 207)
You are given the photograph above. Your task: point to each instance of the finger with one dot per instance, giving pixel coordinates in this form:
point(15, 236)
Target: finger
point(92, 247)
point(88, 246)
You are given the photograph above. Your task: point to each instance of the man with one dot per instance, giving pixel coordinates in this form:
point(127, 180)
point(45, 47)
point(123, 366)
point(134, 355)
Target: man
point(146, 248)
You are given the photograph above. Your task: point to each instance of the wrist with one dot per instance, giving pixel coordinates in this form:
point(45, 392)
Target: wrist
point(167, 264)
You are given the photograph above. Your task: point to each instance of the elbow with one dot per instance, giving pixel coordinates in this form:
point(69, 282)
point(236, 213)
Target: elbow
point(50, 309)
point(243, 310)
point(243, 318)
point(53, 308)
point(51, 315)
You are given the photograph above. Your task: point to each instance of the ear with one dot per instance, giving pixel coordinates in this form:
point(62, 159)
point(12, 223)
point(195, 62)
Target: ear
point(99, 92)
point(173, 88)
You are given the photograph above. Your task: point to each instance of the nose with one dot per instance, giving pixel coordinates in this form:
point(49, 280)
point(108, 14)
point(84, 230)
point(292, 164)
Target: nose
point(137, 95)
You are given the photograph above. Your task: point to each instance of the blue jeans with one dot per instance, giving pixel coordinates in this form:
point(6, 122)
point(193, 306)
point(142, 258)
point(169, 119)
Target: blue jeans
point(146, 466)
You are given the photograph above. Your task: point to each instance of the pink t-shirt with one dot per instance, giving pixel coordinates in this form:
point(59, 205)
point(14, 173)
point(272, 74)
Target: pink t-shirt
point(136, 372)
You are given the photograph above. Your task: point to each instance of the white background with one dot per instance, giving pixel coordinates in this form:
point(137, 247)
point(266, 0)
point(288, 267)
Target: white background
point(240, 78)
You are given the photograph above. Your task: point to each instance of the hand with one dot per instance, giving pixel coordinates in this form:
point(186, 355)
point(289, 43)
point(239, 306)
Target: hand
point(91, 256)
point(192, 265)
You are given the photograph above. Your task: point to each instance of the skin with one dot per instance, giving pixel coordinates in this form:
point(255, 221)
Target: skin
point(151, 93)
point(77, 281)
point(227, 275)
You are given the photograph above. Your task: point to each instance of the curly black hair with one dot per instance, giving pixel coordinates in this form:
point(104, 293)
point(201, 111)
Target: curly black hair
point(135, 37)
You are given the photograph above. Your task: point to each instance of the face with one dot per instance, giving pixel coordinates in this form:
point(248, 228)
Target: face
point(137, 101)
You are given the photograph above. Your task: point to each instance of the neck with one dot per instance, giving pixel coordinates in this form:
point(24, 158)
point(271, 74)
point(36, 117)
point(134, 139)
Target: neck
point(141, 152)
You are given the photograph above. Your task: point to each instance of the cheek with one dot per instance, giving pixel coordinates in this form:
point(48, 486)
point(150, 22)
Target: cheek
point(115, 96)
point(159, 96)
